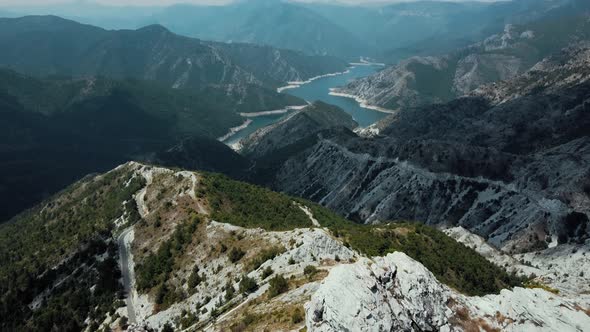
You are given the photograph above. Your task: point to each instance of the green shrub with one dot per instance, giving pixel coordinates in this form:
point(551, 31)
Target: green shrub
point(267, 272)
point(248, 285)
point(167, 328)
point(236, 254)
point(156, 267)
point(123, 322)
point(310, 271)
point(297, 316)
point(188, 320)
point(195, 278)
point(229, 291)
point(278, 285)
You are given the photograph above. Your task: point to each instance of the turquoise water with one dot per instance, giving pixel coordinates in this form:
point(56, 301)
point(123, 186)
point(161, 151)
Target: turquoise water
point(320, 90)
point(257, 123)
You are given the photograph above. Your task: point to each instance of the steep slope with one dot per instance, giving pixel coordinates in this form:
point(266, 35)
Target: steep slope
point(421, 81)
point(205, 252)
point(34, 45)
point(298, 127)
point(515, 173)
point(55, 131)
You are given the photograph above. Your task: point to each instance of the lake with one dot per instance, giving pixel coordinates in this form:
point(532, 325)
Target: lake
point(320, 90)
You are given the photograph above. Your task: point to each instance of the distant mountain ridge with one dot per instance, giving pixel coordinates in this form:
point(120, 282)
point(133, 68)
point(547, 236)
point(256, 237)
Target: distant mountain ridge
point(387, 32)
point(37, 45)
point(420, 81)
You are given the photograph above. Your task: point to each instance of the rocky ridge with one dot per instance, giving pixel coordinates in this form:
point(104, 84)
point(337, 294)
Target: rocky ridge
point(225, 276)
point(566, 69)
point(420, 81)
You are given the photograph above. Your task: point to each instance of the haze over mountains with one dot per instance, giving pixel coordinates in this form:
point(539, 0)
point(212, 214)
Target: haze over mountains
point(388, 33)
point(466, 207)
point(197, 89)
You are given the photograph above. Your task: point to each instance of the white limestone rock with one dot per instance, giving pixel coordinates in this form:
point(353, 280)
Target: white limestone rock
point(396, 293)
point(392, 293)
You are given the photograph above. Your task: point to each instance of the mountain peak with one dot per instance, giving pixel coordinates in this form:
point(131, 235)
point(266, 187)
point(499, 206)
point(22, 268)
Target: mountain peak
point(154, 28)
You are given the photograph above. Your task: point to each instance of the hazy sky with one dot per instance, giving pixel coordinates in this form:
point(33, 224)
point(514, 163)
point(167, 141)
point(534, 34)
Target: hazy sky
point(168, 2)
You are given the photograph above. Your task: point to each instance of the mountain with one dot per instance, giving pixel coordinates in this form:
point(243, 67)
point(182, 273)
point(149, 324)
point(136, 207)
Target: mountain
point(421, 81)
point(514, 172)
point(35, 45)
point(200, 251)
point(97, 98)
point(307, 122)
point(387, 32)
point(55, 131)
point(284, 25)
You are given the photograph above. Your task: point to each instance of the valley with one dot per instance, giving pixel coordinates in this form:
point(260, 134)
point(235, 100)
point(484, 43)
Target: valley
point(318, 90)
point(295, 165)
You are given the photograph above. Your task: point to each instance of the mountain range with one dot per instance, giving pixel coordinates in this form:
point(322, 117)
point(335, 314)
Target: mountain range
point(465, 208)
point(469, 162)
point(389, 32)
point(49, 45)
point(421, 81)
point(90, 99)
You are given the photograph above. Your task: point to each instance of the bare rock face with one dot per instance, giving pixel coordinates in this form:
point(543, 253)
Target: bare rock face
point(514, 172)
point(392, 293)
point(561, 267)
point(471, 70)
point(373, 189)
point(396, 293)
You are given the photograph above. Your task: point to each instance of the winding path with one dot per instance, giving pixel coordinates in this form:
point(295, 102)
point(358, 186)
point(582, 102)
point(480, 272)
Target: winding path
point(124, 254)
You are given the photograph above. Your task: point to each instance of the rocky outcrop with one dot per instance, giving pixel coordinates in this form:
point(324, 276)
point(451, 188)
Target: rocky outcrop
point(397, 86)
point(561, 267)
point(390, 293)
point(396, 293)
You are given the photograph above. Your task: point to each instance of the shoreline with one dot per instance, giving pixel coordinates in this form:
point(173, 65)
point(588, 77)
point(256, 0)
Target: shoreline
point(274, 112)
point(362, 102)
point(351, 65)
point(235, 130)
point(298, 84)
point(364, 62)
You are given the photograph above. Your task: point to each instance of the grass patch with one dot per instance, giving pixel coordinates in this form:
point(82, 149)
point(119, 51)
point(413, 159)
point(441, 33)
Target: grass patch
point(537, 284)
